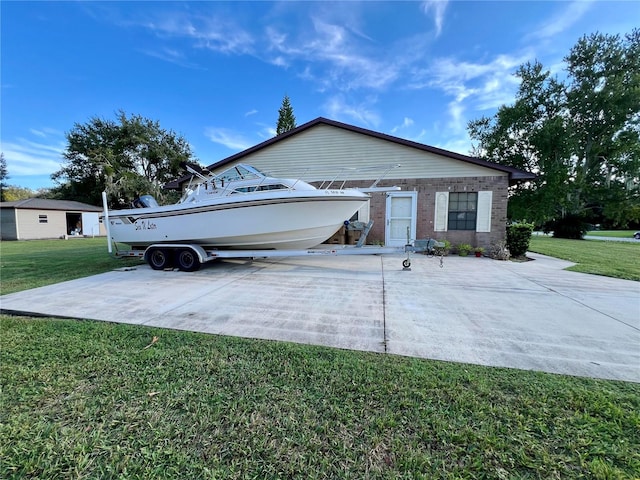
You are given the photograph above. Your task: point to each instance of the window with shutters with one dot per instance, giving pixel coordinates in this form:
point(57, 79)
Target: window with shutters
point(463, 208)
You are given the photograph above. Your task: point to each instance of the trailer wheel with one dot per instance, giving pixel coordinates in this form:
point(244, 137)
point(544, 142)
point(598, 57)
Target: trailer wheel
point(187, 260)
point(159, 259)
point(406, 263)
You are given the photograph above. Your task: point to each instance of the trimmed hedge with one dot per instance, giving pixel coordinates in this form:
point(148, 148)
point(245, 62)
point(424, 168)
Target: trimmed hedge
point(518, 237)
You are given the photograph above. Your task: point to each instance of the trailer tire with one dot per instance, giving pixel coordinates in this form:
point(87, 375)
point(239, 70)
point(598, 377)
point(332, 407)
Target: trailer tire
point(159, 259)
point(187, 260)
point(406, 263)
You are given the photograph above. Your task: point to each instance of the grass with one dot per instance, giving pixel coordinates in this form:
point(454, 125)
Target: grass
point(87, 400)
point(612, 233)
point(35, 263)
point(84, 399)
point(599, 257)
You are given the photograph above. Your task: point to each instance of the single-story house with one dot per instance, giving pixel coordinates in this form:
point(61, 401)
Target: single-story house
point(39, 218)
point(444, 195)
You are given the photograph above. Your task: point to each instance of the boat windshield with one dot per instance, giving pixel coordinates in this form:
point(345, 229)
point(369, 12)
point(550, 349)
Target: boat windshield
point(239, 172)
point(144, 201)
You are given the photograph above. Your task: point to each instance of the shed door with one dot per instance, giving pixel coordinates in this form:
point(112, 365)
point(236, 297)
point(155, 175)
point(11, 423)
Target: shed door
point(401, 215)
point(90, 223)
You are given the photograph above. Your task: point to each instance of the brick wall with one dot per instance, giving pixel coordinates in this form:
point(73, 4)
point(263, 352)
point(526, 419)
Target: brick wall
point(427, 189)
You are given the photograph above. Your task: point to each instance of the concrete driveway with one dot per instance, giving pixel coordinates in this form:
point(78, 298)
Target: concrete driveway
point(530, 315)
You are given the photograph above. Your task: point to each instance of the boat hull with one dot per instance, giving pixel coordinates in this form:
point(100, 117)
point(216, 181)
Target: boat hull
point(265, 223)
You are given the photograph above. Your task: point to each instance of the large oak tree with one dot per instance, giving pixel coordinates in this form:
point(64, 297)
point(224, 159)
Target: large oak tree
point(126, 157)
point(580, 135)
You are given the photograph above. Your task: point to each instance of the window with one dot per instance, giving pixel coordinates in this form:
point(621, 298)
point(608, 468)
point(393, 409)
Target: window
point(260, 188)
point(235, 174)
point(43, 219)
point(462, 210)
point(467, 210)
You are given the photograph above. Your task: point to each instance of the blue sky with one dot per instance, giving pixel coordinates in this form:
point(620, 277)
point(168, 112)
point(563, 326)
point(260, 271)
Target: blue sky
point(216, 72)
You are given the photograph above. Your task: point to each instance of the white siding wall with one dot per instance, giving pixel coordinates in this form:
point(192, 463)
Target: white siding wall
point(324, 151)
point(30, 228)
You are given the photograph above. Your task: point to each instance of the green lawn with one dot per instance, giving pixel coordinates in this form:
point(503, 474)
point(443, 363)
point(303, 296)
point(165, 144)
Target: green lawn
point(599, 257)
point(612, 233)
point(84, 399)
point(35, 263)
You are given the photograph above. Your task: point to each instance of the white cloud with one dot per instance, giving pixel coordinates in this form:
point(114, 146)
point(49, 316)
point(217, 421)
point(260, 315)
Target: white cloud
point(251, 112)
point(266, 132)
point(471, 86)
point(457, 123)
point(280, 61)
point(338, 109)
point(170, 55)
point(228, 138)
point(460, 144)
point(562, 21)
point(438, 8)
point(45, 132)
point(420, 137)
point(339, 61)
point(26, 158)
point(220, 34)
point(342, 55)
point(482, 86)
point(407, 122)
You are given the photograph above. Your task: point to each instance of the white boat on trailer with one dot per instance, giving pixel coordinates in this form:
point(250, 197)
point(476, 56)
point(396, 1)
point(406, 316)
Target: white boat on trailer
point(240, 212)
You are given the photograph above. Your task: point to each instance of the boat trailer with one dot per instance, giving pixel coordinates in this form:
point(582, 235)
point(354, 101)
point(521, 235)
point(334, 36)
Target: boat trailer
point(189, 257)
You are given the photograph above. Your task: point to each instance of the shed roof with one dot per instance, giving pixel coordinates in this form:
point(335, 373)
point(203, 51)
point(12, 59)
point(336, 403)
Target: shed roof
point(47, 204)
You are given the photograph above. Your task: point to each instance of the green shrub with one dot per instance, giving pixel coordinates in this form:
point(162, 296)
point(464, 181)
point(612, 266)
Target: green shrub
point(464, 249)
point(571, 226)
point(518, 237)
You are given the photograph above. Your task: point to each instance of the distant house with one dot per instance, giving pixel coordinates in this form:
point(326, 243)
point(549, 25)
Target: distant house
point(39, 218)
point(445, 195)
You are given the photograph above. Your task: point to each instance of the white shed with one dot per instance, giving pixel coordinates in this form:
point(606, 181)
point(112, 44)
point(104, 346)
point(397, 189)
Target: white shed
point(39, 218)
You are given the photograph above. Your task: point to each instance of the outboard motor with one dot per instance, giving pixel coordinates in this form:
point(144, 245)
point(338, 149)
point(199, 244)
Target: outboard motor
point(144, 201)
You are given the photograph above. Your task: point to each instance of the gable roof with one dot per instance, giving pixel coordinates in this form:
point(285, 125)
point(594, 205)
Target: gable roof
point(47, 204)
point(515, 174)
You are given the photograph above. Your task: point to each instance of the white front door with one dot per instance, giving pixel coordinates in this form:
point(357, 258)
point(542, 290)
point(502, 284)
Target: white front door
point(401, 218)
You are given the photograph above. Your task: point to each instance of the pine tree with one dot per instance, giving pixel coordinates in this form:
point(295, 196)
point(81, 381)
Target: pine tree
point(4, 175)
point(286, 118)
